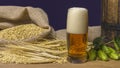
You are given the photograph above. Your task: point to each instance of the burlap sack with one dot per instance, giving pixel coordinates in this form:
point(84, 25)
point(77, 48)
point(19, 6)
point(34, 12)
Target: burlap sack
point(11, 16)
point(15, 15)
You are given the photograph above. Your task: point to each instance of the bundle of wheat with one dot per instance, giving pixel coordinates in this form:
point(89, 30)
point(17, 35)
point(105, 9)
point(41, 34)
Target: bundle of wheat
point(14, 49)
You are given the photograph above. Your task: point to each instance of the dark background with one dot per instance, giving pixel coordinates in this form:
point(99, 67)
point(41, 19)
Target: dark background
point(57, 9)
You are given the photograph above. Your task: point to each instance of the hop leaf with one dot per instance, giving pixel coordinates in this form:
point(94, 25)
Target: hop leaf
point(97, 42)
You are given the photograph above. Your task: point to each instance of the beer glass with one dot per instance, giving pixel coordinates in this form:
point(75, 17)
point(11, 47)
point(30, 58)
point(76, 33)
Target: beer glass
point(77, 30)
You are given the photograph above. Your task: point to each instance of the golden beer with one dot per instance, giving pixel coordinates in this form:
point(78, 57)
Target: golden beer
point(77, 47)
point(77, 28)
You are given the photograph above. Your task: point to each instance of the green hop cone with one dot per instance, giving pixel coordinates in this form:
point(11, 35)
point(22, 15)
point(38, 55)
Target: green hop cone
point(92, 54)
point(114, 56)
point(102, 55)
point(106, 49)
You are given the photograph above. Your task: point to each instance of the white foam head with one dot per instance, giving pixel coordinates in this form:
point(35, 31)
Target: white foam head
point(77, 20)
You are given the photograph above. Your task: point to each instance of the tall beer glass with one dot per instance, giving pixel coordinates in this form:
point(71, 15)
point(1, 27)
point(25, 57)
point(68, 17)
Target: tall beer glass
point(77, 29)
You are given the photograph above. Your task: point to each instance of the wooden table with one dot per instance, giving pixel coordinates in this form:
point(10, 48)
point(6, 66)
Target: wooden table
point(92, 64)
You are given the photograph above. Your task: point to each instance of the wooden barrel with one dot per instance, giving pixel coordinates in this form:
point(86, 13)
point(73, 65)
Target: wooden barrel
point(110, 19)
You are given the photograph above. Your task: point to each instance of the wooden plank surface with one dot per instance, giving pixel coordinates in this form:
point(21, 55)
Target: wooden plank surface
point(92, 64)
